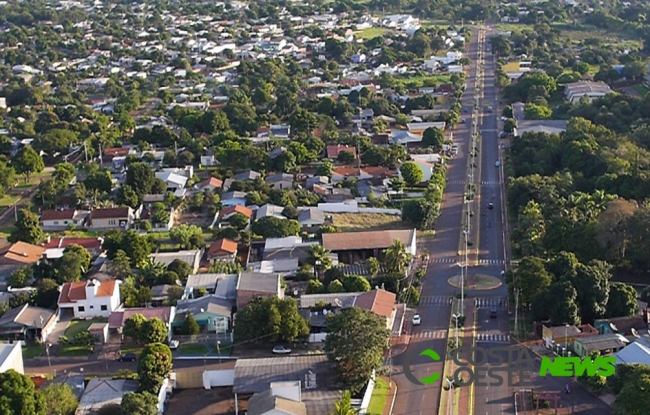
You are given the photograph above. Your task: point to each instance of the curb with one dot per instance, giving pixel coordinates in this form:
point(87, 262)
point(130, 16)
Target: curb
point(392, 405)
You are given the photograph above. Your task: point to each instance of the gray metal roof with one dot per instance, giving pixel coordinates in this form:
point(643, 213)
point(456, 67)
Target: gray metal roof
point(257, 281)
point(341, 300)
point(104, 391)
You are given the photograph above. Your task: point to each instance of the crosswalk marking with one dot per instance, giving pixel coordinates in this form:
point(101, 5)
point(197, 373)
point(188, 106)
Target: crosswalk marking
point(436, 300)
point(430, 334)
point(492, 338)
point(448, 260)
point(456, 182)
point(493, 302)
point(490, 183)
point(491, 262)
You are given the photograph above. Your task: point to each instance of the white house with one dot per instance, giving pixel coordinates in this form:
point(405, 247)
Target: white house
point(11, 357)
point(88, 299)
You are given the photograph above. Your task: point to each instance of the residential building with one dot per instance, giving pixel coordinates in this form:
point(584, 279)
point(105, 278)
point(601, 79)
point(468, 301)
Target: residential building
point(421, 127)
point(60, 220)
point(192, 257)
point(626, 326)
point(88, 299)
point(282, 398)
point(117, 318)
point(566, 334)
point(380, 302)
point(269, 210)
point(601, 344)
point(233, 198)
point(19, 254)
point(27, 323)
point(333, 151)
point(11, 357)
point(251, 285)
point(353, 247)
point(175, 181)
point(228, 212)
point(248, 175)
point(280, 181)
point(113, 218)
point(213, 314)
point(222, 250)
point(55, 246)
point(311, 217)
point(588, 90)
point(101, 392)
point(212, 184)
point(636, 353)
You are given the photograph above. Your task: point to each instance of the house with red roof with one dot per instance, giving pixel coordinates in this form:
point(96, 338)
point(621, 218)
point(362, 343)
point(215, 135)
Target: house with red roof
point(60, 220)
point(55, 246)
point(212, 184)
point(222, 250)
point(89, 299)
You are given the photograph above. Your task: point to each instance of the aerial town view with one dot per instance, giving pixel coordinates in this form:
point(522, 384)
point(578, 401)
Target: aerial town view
point(314, 207)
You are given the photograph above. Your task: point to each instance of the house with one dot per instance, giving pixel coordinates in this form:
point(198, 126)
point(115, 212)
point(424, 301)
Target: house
point(626, 326)
point(213, 184)
point(222, 250)
point(636, 353)
point(113, 218)
point(231, 211)
point(405, 138)
point(27, 323)
point(160, 294)
point(280, 181)
point(175, 181)
point(425, 167)
point(251, 285)
point(421, 127)
point(60, 220)
point(213, 283)
point(248, 175)
point(566, 334)
point(213, 314)
point(540, 126)
point(317, 180)
point(117, 318)
point(89, 299)
point(11, 357)
point(588, 90)
point(192, 257)
point(316, 375)
point(19, 254)
point(269, 210)
point(55, 247)
point(291, 247)
point(602, 344)
point(380, 302)
point(287, 267)
point(311, 217)
point(333, 151)
point(101, 392)
point(282, 398)
point(354, 247)
point(233, 198)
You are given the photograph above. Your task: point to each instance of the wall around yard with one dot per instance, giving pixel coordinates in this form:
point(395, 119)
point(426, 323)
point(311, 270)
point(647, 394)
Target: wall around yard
point(365, 401)
point(217, 378)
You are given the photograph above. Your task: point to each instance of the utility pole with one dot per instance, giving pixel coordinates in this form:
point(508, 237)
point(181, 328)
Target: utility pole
point(516, 310)
point(86, 151)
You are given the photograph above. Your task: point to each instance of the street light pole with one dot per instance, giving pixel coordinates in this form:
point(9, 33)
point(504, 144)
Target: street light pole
point(47, 351)
point(219, 350)
point(566, 338)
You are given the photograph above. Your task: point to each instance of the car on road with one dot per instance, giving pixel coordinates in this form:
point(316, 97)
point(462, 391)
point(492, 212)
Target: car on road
point(462, 121)
point(129, 357)
point(416, 320)
point(281, 350)
point(490, 206)
point(173, 344)
point(497, 164)
point(493, 313)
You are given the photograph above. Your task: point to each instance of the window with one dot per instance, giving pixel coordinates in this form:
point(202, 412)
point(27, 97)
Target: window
point(82, 309)
point(112, 222)
point(56, 222)
point(104, 308)
point(92, 306)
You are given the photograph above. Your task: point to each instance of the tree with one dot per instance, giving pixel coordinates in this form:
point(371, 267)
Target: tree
point(27, 228)
point(611, 228)
point(344, 405)
point(84, 256)
point(140, 177)
point(347, 330)
point(238, 221)
point(20, 278)
point(622, 300)
point(411, 173)
point(315, 287)
point(120, 265)
point(154, 330)
point(142, 403)
point(318, 257)
point(397, 258)
point(335, 286)
point(634, 399)
point(420, 213)
point(397, 185)
point(19, 396)
point(154, 366)
point(509, 125)
point(187, 236)
point(69, 268)
point(557, 304)
point(626, 373)
point(433, 137)
point(47, 294)
point(356, 284)
point(133, 327)
point(270, 319)
point(345, 157)
point(190, 326)
point(531, 278)
point(27, 162)
point(272, 227)
point(372, 266)
point(181, 268)
point(59, 399)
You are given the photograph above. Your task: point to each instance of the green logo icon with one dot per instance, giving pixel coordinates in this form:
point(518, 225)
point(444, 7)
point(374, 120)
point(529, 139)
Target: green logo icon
point(407, 367)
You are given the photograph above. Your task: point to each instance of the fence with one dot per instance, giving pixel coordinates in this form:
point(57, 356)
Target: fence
point(317, 337)
point(354, 208)
point(212, 338)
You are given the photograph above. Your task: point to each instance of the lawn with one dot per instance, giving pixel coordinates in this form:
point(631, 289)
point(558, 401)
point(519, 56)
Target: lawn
point(5, 232)
point(202, 349)
point(33, 179)
point(8, 200)
point(33, 350)
point(367, 221)
point(641, 89)
point(370, 33)
point(423, 81)
point(130, 347)
point(378, 398)
point(77, 326)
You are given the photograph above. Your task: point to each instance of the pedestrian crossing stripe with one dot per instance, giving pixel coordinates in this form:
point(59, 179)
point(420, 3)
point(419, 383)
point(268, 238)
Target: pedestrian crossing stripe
point(491, 262)
point(456, 182)
point(430, 334)
point(448, 260)
point(436, 300)
point(493, 338)
point(490, 183)
point(494, 302)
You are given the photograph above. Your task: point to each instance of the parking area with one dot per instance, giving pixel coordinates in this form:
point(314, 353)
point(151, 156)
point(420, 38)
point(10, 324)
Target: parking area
point(216, 401)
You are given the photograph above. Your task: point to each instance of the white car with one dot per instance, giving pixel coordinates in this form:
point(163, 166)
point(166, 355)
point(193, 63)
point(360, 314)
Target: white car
point(281, 350)
point(497, 164)
point(173, 344)
point(416, 320)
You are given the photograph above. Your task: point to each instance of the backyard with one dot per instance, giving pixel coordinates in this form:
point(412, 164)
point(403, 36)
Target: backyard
point(366, 221)
point(203, 349)
point(75, 327)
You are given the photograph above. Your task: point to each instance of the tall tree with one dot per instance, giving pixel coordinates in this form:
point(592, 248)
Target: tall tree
point(19, 396)
point(433, 137)
point(622, 300)
point(59, 398)
point(411, 173)
point(27, 228)
point(154, 330)
point(140, 177)
point(270, 318)
point(134, 327)
point(531, 278)
point(347, 330)
point(397, 258)
point(154, 366)
point(27, 162)
point(139, 403)
point(190, 326)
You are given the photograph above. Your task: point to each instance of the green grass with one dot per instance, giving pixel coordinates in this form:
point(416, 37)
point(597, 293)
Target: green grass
point(32, 351)
point(370, 33)
point(77, 326)
point(73, 350)
point(378, 398)
point(642, 89)
point(4, 232)
point(33, 180)
point(130, 347)
point(203, 349)
point(8, 200)
point(423, 81)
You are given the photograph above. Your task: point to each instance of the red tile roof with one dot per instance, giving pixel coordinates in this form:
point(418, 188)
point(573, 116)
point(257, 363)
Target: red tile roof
point(334, 151)
point(380, 302)
point(118, 213)
point(21, 253)
point(221, 247)
point(57, 214)
point(237, 209)
point(212, 181)
point(76, 291)
point(91, 244)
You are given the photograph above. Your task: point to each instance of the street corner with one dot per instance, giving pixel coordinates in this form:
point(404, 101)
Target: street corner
point(398, 345)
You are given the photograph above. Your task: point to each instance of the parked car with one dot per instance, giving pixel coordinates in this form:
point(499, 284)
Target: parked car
point(281, 350)
point(497, 164)
point(173, 344)
point(416, 320)
point(490, 205)
point(129, 357)
point(493, 313)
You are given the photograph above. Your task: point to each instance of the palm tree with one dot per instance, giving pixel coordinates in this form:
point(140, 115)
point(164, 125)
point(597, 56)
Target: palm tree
point(318, 257)
point(344, 405)
point(396, 258)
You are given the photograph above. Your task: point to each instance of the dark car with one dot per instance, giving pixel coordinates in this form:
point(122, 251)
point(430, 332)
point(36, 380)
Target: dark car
point(490, 205)
point(129, 357)
point(493, 313)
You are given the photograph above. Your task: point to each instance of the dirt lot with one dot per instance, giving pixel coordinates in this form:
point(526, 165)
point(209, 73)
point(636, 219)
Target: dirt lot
point(217, 401)
point(367, 221)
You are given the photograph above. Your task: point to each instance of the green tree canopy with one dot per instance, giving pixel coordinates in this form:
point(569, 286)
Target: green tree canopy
point(154, 366)
point(190, 326)
point(27, 228)
point(154, 330)
point(139, 403)
point(59, 398)
point(433, 137)
point(19, 396)
point(270, 319)
point(411, 173)
point(27, 162)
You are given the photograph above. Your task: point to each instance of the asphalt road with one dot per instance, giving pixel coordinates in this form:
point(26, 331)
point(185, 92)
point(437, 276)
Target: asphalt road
point(436, 295)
